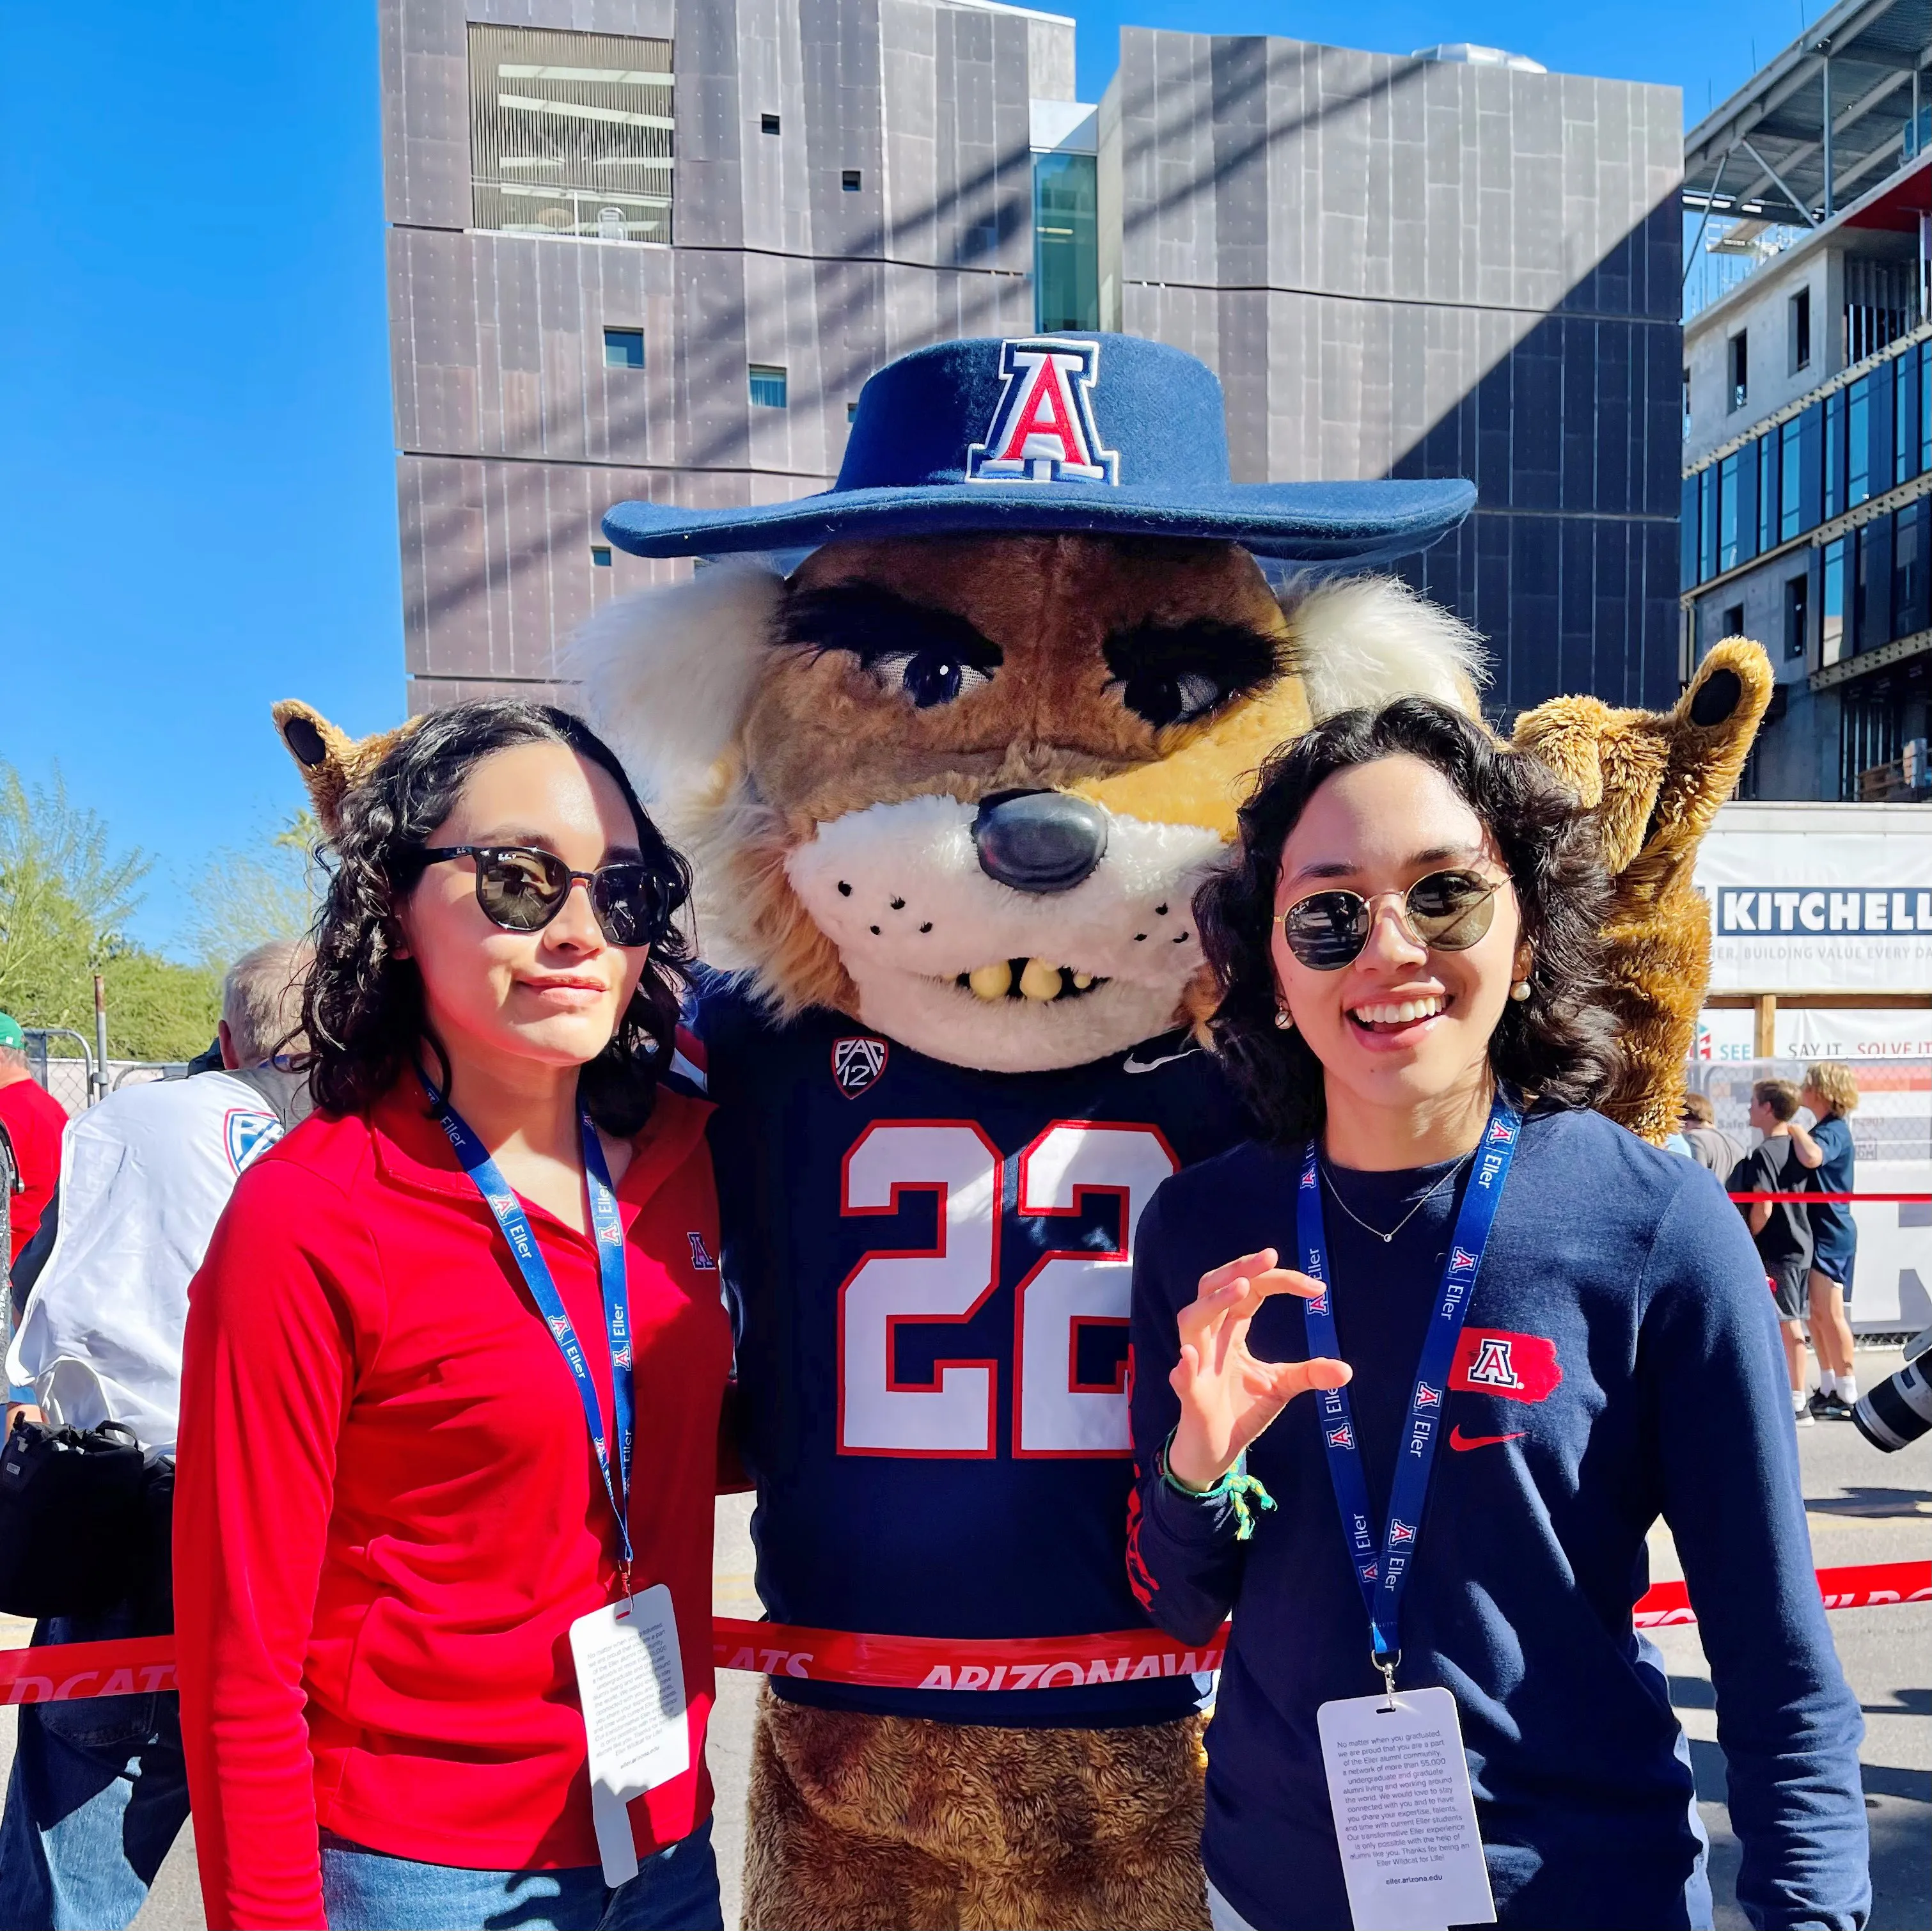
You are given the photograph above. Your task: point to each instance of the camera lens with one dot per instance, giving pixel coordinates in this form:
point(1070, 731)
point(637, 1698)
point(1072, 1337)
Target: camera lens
point(1898, 1411)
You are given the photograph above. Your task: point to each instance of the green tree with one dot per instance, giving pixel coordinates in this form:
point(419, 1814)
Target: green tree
point(157, 1008)
point(244, 898)
point(66, 896)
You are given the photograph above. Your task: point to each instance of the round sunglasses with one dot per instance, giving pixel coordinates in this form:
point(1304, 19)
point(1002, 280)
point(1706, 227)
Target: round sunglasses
point(1447, 912)
point(521, 888)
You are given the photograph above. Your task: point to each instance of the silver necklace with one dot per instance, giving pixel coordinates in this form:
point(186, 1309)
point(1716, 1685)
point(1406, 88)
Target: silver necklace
point(1385, 1238)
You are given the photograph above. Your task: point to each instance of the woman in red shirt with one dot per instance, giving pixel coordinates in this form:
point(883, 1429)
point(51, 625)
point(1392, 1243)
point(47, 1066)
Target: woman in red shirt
point(412, 1357)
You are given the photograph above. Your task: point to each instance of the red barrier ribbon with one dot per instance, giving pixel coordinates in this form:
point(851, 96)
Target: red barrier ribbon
point(1796, 1198)
point(71, 1672)
point(1868, 1585)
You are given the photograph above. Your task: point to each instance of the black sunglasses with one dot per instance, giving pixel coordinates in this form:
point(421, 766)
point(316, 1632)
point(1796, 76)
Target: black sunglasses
point(522, 888)
point(1448, 911)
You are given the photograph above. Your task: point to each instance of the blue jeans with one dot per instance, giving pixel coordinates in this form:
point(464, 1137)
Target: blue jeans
point(99, 1791)
point(369, 1891)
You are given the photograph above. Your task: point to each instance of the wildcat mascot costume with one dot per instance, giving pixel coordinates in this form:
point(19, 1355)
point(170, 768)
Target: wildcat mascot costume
point(950, 745)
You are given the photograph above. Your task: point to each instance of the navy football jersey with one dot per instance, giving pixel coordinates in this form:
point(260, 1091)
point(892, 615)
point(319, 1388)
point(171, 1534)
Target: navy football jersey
point(930, 1270)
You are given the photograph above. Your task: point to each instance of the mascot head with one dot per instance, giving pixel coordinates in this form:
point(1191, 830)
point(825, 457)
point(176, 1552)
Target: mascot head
point(951, 743)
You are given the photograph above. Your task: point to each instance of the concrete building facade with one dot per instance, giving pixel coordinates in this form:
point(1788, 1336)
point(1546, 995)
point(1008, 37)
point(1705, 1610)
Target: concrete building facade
point(847, 179)
point(1416, 267)
point(653, 248)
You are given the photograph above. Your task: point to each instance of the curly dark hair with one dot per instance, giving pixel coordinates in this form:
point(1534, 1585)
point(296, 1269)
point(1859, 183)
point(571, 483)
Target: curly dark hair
point(1560, 1043)
point(363, 1010)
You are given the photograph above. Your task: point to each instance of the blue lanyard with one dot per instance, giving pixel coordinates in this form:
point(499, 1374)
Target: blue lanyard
point(501, 1199)
point(1383, 1573)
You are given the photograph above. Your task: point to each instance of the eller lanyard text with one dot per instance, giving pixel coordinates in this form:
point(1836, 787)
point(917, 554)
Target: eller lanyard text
point(1383, 1572)
point(501, 1199)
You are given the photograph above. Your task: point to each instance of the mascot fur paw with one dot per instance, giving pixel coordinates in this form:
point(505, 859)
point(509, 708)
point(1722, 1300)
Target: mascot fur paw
point(900, 1823)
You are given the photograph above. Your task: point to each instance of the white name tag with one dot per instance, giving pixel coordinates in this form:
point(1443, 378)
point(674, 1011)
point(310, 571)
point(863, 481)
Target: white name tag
point(1405, 1816)
point(630, 1679)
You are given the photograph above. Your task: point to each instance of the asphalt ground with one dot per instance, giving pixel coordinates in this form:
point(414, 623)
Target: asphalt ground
point(1864, 1507)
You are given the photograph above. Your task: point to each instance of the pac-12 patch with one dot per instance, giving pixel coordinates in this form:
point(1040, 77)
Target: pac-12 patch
point(857, 1063)
point(248, 1134)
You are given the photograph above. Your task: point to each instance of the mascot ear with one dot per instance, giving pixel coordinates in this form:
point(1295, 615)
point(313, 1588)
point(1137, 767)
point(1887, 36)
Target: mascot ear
point(1367, 640)
point(667, 676)
point(331, 761)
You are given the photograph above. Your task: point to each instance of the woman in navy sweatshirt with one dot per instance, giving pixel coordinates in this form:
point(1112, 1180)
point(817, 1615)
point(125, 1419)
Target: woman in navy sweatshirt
point(1407, 945)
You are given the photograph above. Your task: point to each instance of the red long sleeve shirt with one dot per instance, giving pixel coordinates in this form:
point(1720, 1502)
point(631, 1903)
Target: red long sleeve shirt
point(388, 1511)
point(35, 1123)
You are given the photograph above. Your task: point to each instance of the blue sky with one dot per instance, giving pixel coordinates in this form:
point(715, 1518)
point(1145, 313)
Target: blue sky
point(197, 509)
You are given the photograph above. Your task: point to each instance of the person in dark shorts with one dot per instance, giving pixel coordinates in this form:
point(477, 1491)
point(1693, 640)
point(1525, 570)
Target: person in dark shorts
point(1831, 1092)
point(1780, 1228)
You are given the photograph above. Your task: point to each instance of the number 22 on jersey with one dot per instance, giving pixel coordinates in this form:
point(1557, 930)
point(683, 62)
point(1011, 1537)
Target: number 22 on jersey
point(955, 1413)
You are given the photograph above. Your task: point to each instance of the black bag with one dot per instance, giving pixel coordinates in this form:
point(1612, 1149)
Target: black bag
point(75, 1538)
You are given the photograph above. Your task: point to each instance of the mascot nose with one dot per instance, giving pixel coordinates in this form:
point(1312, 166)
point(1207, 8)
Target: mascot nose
point(1039, 841)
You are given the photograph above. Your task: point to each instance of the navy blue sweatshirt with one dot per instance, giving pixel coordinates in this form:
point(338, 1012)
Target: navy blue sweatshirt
point(1620, 1362)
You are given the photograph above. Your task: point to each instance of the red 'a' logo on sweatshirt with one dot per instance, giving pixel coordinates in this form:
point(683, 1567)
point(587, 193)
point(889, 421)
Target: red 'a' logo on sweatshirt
point(1520, 1368)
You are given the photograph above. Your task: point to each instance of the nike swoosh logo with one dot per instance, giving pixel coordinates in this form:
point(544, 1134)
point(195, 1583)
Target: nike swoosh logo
point(1457, 1439)
point(1131, 1064)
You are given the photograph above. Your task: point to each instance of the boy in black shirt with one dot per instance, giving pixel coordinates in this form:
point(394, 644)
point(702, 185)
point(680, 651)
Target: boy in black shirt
point(1780, 1228)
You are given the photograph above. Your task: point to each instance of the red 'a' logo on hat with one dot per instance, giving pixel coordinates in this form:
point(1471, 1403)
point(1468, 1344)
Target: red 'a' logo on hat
point(1043, 430)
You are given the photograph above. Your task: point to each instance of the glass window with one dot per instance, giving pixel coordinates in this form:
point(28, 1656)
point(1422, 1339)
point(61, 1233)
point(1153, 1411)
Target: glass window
point(1707, 525)
point(1864, 627)
point(1909, 578)
point(1834, 455)
point(1767, 491)
point(1066, 242)
point(1739, 350)
point(623, 348)
point(1727, 513)
point(1832, 604)
point(1924, 354)
point(1799, 330)
point(768, 386)
point(600, 555)
point(1790, 479)
point(850, 180)
point(768, 124)
point(1905, 455)
point(1797, 611)
point(1858, 442)
point(570, 134)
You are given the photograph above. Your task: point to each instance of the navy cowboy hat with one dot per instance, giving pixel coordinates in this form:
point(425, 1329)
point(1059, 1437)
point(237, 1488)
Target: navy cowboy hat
point(1110, 435)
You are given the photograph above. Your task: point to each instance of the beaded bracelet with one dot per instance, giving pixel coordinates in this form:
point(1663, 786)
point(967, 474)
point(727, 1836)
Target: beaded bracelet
point(1242, 1492)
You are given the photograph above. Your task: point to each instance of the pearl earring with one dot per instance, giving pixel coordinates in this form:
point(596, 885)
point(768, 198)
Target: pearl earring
point(1519, 991)
point(1284, 1020)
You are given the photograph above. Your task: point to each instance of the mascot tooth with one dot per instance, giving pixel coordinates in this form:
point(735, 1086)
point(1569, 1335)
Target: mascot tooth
point(949, 784)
